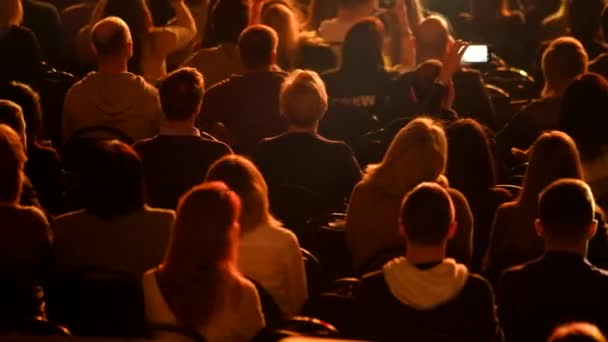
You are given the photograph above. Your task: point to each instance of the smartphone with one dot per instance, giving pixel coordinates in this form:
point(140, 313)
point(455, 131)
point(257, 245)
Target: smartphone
point(476, 54)
point(387, 4)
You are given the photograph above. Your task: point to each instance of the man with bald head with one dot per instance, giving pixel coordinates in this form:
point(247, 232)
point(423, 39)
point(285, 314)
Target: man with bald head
point(433, 41)
point(112, 96)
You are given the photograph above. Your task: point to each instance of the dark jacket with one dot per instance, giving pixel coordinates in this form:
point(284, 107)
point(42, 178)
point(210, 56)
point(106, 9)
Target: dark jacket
point(472, 99)
point(557, 288)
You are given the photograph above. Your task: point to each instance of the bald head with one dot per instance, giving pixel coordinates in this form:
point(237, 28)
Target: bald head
point(432, 38)
point(111, 38)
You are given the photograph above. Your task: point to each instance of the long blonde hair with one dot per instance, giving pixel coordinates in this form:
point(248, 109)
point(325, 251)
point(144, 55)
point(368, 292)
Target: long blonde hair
point(284, 21)
point(418, 153)
point(244, 178)
point(11, 13)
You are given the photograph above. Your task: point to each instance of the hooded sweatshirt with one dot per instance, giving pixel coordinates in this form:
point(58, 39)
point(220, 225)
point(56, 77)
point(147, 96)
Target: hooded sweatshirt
point(122, 101)
point(425, 289)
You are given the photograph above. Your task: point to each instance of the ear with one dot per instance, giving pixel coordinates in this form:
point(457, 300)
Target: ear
point(402, 230)
point(275, 56)
point(592, 229)
point(452, 230)
point(129, 48)
point(538, 226)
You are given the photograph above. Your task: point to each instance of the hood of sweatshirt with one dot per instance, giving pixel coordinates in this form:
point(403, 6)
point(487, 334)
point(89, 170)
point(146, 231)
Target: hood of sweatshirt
point(425, 289)
point(114, 94)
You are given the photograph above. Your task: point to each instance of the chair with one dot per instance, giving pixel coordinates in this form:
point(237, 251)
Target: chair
point(516, 82)
point(270, 308)
point(314, 273)
point(297, 326)
point(501, 100)
point(97, 302)
point(295, 205)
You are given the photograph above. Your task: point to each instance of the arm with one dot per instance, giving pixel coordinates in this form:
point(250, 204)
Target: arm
point(405, 53)
point(180, 34)
point(296, 277)
point(251, 317)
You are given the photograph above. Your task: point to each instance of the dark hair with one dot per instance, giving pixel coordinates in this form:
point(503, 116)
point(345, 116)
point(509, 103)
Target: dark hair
point(363, 46)
point(12, 116)
point(113, 42)
point(471, 165)
point(12, 162)
point(29, 101)
point(201, 253)
point(229, 19)
point(181, 94)
point(566, 208)
point(581, 114)
point(257, 45)
point(427, 213)
point(138, 18)
point(112, 180)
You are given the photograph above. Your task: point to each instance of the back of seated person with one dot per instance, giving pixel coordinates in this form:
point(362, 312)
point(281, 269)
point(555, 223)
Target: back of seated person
point(562, 285)
point(577, 332)
point(178, 158)
point(301, 157)
point(115, 230)
point(112, 96)
point(425, 296)
point(247, 105)
point(43, 19)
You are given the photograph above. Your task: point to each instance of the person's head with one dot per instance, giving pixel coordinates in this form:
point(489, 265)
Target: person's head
point(577, 332)
point(582, 116)
point(11, 13)
point(202, 251)
point(283, 20)
point(552, 156)
point(303, 99)
point(112, 181)
point(566, 213)
point(181, 94)
point(417, 154)
point(471, 166)
point(585, 19)
point(427, 216)
point(320, 10)
point(228, 20)
point(29, 101)
point(563, 60)
point(432, 39)
point(12, 116)
point(258, 47)
point(245, 179)
point(12, 163)
point(111, 40)
point(363, 47)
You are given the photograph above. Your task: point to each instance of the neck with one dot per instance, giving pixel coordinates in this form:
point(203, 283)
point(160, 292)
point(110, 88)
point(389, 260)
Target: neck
point(263, 68)
point(182, 124)
point(113, 66)
point(298, 129)
point(421, 254)
point(353, 14)
point(579, 248)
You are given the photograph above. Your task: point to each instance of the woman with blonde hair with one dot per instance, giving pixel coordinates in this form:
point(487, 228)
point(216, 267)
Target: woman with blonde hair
point(21, 59)
point(268, 253)
point(417, 154)
point(198, 285)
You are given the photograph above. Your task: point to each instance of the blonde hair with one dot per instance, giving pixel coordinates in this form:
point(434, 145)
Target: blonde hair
point(11, 13)
point(243, 177)
point(580, 330)
point(417, 154)
point(563, 60)
point(284, 21)
point(303, 98)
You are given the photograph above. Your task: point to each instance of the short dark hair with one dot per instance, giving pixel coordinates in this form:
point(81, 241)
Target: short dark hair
point(112, 42)
point(427, 213)
point(257, 45)
point(229, 19)
point(29, 101)
point(181, 93)
point(112, 180)
point(12, 162)
point(12, 116)
point(566, 208)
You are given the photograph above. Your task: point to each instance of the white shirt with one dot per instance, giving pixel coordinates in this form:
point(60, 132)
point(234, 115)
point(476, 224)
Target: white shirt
point(271, 256)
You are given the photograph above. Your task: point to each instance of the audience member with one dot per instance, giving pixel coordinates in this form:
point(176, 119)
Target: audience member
point(247, 105)
point(417, 154)
point(562, 62)
point(151, 45)
point(349, 12)
point(577, 332)
point(73, 19)
point(471, 100)
point(43, 168)
point(513, 240)
point(562, 285)
point(319, 11)
point(21, 59)
point(178, 157)
point(112, 96)
point(115, 230)
point(301, 157)
point(25, 247)
point(198, 285)
point(472, 170)
point(228, 20)
point(425, 295)
point(43, 19)
point(580, 118)
point(268, 253)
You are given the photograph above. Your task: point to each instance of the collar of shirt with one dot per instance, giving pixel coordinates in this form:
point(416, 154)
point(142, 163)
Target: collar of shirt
point(172, 131)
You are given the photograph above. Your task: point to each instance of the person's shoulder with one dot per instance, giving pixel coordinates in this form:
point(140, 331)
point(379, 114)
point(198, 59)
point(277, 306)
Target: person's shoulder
point(456, 195)
point(508, 207)
point(166, 214)
point(35, 215)
point(45, 153)
point(71, 219)
point(145, 144)
point(200, 58)
point(476, 282)
point(21, 32)
point(42, 7)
